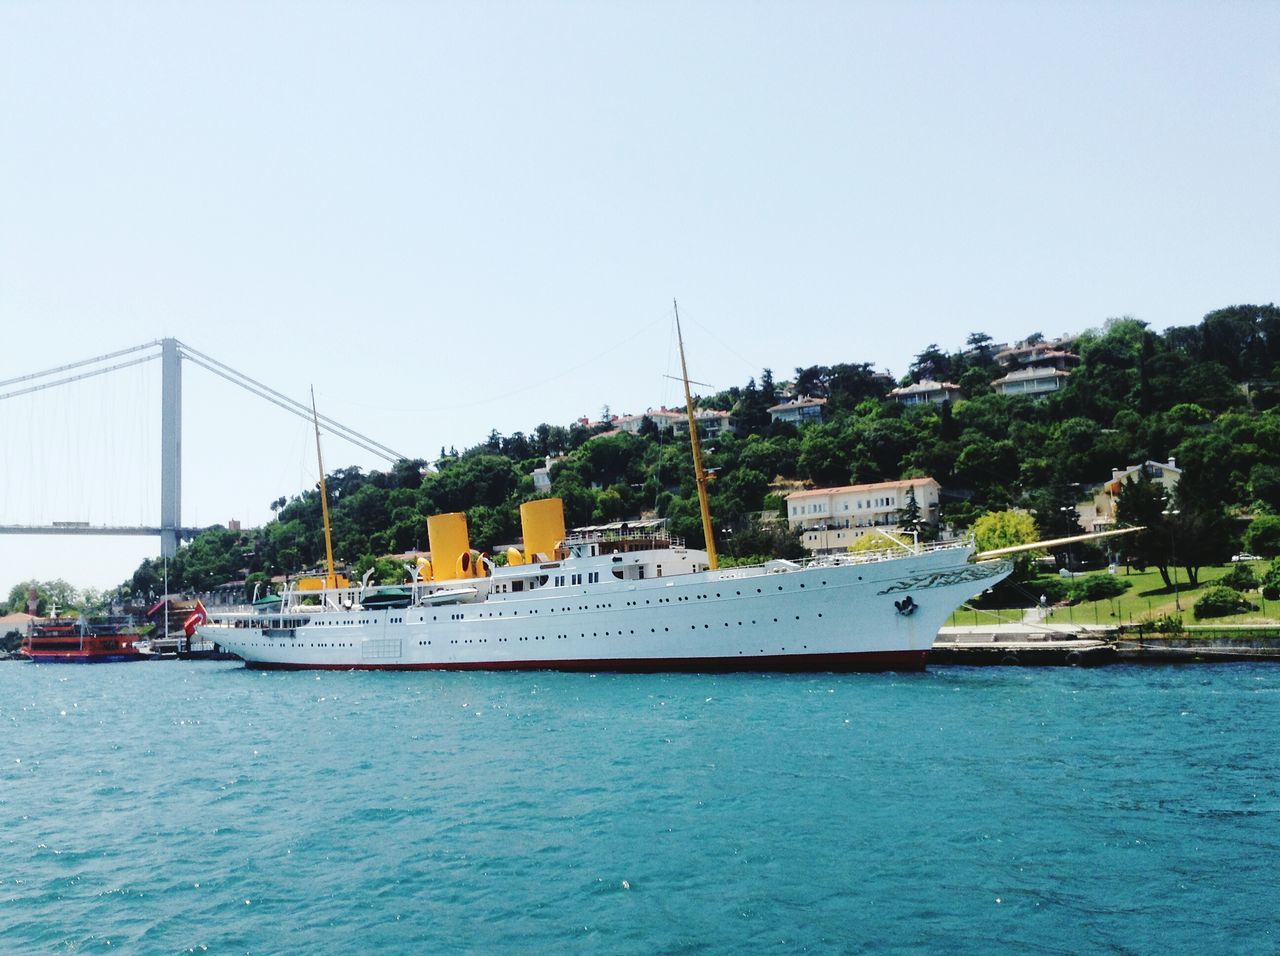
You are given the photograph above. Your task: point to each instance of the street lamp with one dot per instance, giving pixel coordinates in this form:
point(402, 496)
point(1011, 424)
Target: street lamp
point(1064, 511)
point(1173, 558)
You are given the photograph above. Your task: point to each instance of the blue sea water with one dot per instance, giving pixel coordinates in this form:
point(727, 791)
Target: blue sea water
point(172, 807)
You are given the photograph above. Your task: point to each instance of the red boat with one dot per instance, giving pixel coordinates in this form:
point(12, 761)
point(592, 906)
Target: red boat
point(77, 641)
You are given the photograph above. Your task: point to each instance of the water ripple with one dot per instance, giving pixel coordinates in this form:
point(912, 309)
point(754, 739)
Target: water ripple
point(185, 808)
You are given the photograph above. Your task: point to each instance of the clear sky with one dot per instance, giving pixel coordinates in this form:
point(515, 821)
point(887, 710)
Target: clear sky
point(456, 217)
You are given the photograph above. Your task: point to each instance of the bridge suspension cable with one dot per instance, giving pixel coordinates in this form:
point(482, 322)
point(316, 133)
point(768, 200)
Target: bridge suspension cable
point(81, 364)
point(288, 404)
point(171, 352)
point(76, 378)
point(210, 364)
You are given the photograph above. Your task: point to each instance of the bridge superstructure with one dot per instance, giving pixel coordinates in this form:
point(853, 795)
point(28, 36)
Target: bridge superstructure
point(171, 354)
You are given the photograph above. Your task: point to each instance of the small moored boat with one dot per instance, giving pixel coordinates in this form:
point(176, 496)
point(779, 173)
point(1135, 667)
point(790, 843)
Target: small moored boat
point(83, 641)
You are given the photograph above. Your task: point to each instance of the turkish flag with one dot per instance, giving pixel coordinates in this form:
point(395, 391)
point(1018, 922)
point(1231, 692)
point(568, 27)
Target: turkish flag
point(195, 619)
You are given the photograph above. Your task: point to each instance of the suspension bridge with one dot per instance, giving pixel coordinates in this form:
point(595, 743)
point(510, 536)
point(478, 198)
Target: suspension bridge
point(171, 354)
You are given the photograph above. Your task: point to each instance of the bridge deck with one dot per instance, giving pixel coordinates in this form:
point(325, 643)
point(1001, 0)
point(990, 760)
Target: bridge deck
point(109, 530)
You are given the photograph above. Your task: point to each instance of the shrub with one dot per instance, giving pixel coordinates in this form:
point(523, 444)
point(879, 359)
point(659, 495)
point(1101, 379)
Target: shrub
point(1097, 587)
point(1054, 589)
point(1164, 624)
point(1271, 582)
point(1241, 577)
point(1220, 601)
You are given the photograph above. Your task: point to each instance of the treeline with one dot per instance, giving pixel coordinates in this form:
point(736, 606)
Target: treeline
point(1205, 394)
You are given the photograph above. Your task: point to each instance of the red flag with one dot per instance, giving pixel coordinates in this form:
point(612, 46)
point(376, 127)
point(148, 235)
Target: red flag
point(195, 618)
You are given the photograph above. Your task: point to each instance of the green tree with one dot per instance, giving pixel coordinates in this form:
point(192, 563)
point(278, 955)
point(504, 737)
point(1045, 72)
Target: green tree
point(975, 382)
point(909, 518)
point(1006, 529)
point(1141, 503)
point(385, 570)
point(610, 506)
point(931, 363)
point(1262, 537)
point(824, 458)
point(753, 543)
point(1201, 538)
point(49, 595)
point(475, 479)
point(215, 557)
point(1264, 486)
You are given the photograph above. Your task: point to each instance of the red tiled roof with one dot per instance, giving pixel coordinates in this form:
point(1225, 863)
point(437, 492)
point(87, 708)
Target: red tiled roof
point(875, 486)
point(802, 402)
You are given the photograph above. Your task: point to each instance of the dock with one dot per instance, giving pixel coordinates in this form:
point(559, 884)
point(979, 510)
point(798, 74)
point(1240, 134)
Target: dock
point(1031, 644)
point(1022, 645)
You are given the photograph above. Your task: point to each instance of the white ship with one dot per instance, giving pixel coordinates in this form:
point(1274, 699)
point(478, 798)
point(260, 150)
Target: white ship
point(627, 601)
point(615, 599)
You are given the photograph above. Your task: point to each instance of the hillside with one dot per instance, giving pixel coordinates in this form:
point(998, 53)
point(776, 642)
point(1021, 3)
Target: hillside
point(1206, 395)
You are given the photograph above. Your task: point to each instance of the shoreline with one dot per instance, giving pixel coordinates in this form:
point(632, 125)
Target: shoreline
point(1028, 645)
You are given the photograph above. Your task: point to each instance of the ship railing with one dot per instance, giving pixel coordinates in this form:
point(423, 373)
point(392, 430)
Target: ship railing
point(655, 535)
point(295, 601)
point(779, 566)
point(311, 601)
point(887, 553)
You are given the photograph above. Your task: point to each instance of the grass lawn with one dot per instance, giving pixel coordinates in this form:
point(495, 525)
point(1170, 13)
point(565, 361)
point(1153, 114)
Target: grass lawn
point(1146, 598)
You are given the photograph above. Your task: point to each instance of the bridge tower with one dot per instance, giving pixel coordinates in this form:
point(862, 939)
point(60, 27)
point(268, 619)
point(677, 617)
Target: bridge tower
point(172, 354)
point(170, 446)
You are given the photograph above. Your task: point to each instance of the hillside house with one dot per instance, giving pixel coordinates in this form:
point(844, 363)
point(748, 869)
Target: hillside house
point(1098, 512)
point(799, 411)
point(831, 519)
point(926, 391)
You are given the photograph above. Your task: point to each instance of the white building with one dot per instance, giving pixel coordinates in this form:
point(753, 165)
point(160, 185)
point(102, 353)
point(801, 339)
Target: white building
point(798, 411)
point(834, 518)
point(663, 418)
point(926, 391)
point(711, 422)
point(1031, 381)
point(1052, 354)
point(1098, 513)
point(542, 476)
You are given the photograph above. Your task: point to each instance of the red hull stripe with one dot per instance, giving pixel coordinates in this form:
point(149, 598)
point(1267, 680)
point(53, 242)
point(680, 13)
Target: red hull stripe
point(39, 658)
point(873, 661)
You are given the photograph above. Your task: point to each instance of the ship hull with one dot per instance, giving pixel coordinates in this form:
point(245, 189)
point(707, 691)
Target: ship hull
point(38, 657)
point(775, 663)
point(872, 616)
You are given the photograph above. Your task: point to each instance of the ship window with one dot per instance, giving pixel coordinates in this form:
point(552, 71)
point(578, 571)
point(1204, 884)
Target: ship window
point(517, 585)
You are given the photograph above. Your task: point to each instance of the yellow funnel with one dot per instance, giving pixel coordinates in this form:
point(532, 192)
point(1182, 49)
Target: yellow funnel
point(447, 539)
point(319, 584)
point(542, 522)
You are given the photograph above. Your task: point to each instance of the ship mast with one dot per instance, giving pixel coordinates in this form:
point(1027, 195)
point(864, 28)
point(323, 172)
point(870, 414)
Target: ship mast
point(699, 472)
point(332, 580)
